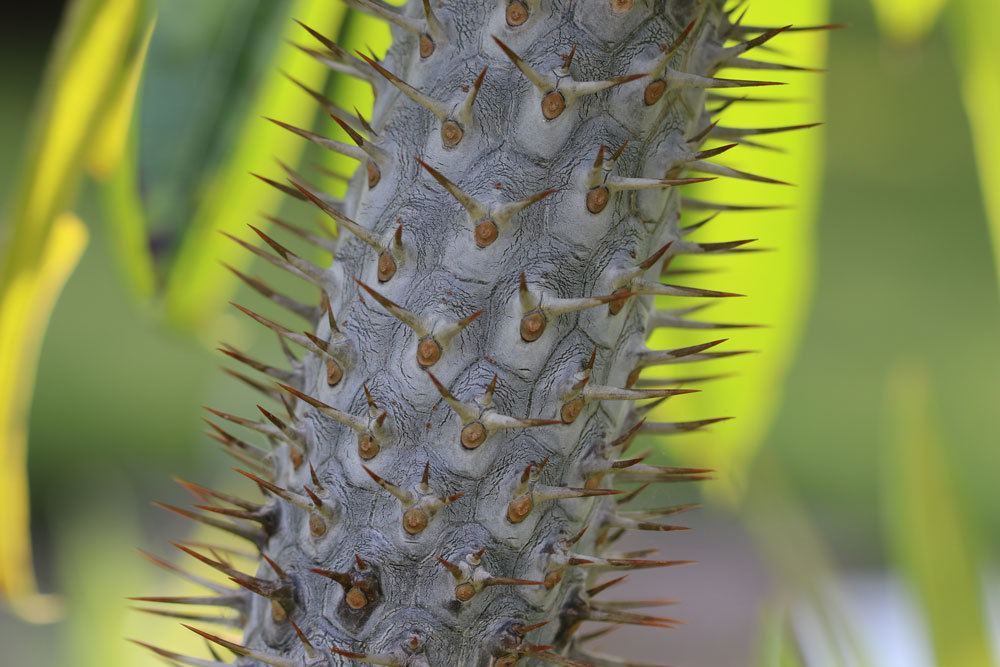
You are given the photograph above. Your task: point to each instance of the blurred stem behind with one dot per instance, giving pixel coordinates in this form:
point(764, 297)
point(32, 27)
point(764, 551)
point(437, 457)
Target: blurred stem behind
point(801, 565)
point(777, 645)
point(930, 538)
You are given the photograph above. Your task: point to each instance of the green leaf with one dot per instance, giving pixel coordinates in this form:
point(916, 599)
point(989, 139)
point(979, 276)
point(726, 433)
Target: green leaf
point(206, 64)
point(800, 562)
point(96, 595)
point(908, 21)
point(929, 533)
point(779, 283)
point(26, 304)
point(974, 39)
point(197, 286)
point(123, 213)
point(44, 241)
point(777, 645)
point(111, 135)
point(114, 165)
point(86, 67)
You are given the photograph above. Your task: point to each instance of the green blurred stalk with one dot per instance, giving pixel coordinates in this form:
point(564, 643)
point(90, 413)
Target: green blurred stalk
point(930, 537)
point(114, 164)
point(776, 642)
point(125, 218)
point(25, 306)
point(799, 560)
point(93, 43)
point(975, 41)
point(973, 26)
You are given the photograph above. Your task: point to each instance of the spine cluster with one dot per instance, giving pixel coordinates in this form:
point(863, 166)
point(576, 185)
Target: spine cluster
point(446, 470)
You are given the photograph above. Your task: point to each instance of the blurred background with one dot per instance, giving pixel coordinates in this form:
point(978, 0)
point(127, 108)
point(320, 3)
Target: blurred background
point(856, 519)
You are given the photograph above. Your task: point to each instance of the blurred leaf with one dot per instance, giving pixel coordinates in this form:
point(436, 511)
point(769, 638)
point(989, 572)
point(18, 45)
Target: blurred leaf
point(94, 42)
point(908, 21)
point(25, 306)
point(800, 563)
point(123, 213)
point(974, 38)
point(113, 162)
point(777, 645)
point(779, 283)
point(197, 286)
point(44, 242)
point(929, 534)
point(205, 67)
point(112, 133)
point(97, 593)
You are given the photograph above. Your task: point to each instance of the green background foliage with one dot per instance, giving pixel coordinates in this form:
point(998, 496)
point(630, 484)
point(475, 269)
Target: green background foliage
point(843, 458)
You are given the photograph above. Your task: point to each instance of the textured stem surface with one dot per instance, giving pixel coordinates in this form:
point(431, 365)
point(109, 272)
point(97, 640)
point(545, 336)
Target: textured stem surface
point(442, 490)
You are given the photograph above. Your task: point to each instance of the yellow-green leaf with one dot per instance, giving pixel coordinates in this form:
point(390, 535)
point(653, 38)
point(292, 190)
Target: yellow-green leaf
point(197, 286)
point(930, 535)
point(113, 163)
point(777, 645)
point(908, 21)
point(125, 218)
point(111, 137)
point(44, 242)
point(26, 303)
point(778, 283)
point(974, 37)
point(800, 563)
point(86, 66)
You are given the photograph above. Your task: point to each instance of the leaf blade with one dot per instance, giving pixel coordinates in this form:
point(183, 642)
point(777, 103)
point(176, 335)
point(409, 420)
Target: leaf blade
point(777, 645)
point(978, 52)
point(25, 306)
point(908, 21)
point(113, 164)
point(196, 285)
point(929, 535)
point(43, 246)
point(779, 284)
